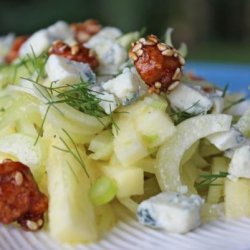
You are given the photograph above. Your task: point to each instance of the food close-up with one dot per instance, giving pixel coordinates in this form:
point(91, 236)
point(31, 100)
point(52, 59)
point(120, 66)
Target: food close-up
point(96, 122)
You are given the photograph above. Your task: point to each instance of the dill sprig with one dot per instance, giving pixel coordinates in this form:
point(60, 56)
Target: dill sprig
point(31, 63)
point(225, 89)
point(74, 152)
point(80, 97)
point(38, 63)
point(209, 179)
point(73, 172)
point(179, 116)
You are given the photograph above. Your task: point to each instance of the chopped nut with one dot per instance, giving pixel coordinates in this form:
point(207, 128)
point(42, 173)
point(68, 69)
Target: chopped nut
point(162, 46)
point(18, 178)
point(133, 56)
point(158, 85)
point(137, 47)
point(139, 52)
point(173, 85)
point(167, 52)
point(177, 74)
point(32, 225)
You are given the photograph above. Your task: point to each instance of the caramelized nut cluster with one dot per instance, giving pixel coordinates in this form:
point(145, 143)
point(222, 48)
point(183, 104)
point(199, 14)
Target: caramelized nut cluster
point(20, 198)
point(83, 31)
point(76, 52)
point(159, 65)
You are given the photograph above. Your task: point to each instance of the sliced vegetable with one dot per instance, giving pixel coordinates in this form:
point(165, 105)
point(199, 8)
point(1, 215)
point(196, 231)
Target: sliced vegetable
point(22, 148)
point(215, 192)
point(71, 213)
point(188, 132)
point(102, 145)
point(237, 198)
point(126, 39)
point(128, 144)
point(155, 133)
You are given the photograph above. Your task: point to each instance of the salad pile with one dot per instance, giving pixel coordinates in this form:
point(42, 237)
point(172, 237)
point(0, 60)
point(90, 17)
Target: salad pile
point(91, 117)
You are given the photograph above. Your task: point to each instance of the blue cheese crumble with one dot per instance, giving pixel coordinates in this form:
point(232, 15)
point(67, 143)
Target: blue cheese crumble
point(63, 71)
point(173, 212)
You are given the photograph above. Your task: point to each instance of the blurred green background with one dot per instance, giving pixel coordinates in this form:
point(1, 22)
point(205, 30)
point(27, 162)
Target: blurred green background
point(217, 30)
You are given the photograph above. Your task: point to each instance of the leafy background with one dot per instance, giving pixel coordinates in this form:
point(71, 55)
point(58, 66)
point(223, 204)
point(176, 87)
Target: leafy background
point(217, 30)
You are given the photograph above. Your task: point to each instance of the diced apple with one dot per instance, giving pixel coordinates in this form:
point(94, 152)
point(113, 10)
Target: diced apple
point(128, 145)
point(237, 198)
point(155, 126)
point(71, 214)
point(129, 180)
point(102, 146)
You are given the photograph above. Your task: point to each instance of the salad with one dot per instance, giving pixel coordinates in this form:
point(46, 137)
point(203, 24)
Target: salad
point(92, 118)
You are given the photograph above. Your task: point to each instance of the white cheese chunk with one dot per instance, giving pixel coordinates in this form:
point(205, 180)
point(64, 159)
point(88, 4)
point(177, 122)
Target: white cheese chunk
point(59, 31)
point(5, 44)
point(107, 32)
point(189, 99)
point(173, 212)
point(239, 109)
point(63, 71)
point(230, 152)
point(125, 86)
point(108, 102)
point(110, 54)
point(240, 163)
point(42, 39)
point(37, 43)
point(228, 139)
point(21, 147)
point(218, 102)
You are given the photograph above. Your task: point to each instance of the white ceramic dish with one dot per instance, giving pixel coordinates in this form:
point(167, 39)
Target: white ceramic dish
point(129, 234)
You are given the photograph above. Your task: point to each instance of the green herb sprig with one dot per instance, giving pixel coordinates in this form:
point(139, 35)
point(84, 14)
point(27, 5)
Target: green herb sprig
point(209, 179)
point(74, 152)
point(225, 89)
point(80, 97)
point(179, 116)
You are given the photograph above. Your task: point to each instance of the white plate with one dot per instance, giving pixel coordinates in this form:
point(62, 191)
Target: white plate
point(129, 234)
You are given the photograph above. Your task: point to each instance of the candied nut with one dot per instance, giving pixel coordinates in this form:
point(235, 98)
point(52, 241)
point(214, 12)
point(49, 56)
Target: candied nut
point(14, 50)
point(84, 30)
point(158, 64)
point(76, 52)
point(20, 198)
